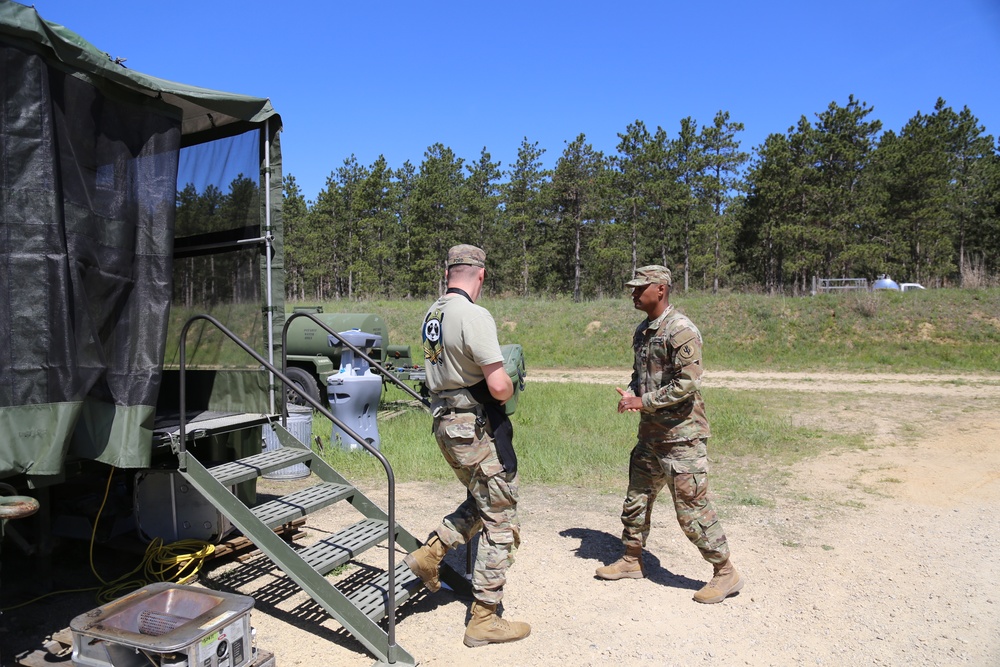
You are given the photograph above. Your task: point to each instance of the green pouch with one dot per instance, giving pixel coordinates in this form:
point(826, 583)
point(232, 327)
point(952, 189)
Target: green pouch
point(513, 363)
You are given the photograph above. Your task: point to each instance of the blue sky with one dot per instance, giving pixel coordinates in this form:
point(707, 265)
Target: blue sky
point(392, 78)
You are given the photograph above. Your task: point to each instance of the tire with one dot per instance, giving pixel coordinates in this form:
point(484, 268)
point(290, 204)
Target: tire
point(305, 383)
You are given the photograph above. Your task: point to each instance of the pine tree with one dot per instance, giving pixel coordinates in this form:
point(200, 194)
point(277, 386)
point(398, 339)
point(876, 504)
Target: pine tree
point(722, 183)
point(575, 205)
point(524, 206)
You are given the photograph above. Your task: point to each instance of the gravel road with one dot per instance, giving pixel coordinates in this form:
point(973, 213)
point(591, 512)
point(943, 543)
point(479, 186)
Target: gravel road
point(886, 556)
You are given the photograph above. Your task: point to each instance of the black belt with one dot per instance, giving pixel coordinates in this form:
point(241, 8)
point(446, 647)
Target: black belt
point(459, 411)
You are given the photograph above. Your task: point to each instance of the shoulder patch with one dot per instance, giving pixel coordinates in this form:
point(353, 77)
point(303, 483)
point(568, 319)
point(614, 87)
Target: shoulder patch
point(687, 342)
point(431, 335)
point(682, 336)
point(689, 352)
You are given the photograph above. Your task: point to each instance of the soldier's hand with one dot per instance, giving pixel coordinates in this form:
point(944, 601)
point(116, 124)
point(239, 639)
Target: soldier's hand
point(628, 402)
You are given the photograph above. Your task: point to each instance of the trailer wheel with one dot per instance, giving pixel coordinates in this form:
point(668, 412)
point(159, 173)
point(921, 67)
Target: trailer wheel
point(305, 383)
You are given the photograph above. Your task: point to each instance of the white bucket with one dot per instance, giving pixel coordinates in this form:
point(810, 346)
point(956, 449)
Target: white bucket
point(299, 425)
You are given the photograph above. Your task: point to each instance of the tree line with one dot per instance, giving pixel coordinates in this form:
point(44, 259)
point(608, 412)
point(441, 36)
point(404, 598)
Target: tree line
point(834, 197)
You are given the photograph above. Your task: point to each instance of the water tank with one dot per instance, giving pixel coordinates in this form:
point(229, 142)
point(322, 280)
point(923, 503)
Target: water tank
point(305, 337)
point(885, 282)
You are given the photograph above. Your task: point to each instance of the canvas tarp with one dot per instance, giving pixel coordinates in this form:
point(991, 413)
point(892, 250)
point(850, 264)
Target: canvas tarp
point(88, 187)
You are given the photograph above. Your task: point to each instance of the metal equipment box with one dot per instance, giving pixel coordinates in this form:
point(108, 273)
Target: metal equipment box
point(168, 507)
point(166, 625)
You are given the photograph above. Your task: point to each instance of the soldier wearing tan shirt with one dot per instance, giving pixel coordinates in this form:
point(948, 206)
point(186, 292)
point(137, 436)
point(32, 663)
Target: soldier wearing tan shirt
point(461, 351)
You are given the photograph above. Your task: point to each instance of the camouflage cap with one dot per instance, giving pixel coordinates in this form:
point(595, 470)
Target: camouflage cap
point(466, 254)
point(653, 274)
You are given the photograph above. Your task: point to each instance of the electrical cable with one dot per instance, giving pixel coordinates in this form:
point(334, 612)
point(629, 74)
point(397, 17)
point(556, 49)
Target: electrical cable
point(177, 562)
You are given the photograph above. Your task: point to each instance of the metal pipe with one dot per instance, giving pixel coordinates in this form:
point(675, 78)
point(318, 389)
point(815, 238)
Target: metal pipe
point(267, 254)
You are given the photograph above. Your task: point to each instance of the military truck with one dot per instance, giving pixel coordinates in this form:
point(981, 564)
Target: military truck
point(312, 360)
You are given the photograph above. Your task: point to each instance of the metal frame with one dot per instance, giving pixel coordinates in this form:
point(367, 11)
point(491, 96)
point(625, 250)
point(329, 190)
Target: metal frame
point(827, 285)
point(315, 584)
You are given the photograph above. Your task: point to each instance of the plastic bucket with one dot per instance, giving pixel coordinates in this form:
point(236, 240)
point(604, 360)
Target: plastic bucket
point(299, 425)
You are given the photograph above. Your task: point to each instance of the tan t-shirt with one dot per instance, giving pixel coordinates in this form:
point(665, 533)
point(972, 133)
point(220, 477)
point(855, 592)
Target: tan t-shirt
point(459, 338)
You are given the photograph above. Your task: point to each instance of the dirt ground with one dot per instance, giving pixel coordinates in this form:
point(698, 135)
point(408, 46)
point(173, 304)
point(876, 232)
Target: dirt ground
point(881, 556)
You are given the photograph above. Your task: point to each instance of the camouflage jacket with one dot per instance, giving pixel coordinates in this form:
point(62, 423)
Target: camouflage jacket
point(667, 375)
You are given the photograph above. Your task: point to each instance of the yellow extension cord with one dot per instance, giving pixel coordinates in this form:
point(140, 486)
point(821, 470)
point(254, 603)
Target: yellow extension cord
point(178, 562)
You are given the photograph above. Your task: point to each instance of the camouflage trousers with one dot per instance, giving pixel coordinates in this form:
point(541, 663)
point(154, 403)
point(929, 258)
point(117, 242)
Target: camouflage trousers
point(490, 506)
point(683, 468)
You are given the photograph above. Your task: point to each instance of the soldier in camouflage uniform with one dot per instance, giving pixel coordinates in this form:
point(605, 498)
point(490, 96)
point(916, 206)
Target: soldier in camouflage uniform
point(673, 430)
point(461, 352)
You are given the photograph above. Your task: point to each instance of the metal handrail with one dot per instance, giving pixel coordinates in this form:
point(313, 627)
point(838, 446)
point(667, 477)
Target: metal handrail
point(280, 374)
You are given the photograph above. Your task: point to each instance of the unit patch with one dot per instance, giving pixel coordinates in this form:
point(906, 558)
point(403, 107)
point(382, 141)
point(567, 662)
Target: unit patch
point(687, 344)
point(432, 337)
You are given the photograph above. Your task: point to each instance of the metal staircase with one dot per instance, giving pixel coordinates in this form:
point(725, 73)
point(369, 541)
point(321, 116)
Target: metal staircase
point(360, 611)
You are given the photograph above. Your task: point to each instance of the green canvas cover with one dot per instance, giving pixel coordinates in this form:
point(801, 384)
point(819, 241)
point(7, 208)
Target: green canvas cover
point(204, 114)
point(89, 165)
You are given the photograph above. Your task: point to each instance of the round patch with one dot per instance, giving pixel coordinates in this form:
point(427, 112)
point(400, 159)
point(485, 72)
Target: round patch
point(432, 330)
point(686, 352)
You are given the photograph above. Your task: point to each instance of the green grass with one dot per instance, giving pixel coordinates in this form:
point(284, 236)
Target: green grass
point(954, 330)
point(935, 330)
point(571, 434)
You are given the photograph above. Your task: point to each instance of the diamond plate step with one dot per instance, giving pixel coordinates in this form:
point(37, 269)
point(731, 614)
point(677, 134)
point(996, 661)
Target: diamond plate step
point(333, 551)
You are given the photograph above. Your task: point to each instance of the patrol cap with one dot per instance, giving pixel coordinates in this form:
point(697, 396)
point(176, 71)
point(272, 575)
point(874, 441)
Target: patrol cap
point(654, 274)
point(466, 254)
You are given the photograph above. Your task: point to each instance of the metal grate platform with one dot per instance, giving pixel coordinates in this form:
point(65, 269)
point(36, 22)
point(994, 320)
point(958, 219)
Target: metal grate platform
point(206, 424)
point(370, 598)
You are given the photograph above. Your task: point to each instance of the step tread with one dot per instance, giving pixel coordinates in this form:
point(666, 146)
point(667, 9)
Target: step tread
point(337, 549)
point(370, 597)
point(303, 502)
point(254, 466)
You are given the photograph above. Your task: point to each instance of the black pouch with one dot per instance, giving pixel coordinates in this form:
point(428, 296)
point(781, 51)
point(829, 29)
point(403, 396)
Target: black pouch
point(500, 424)
point(503, 436)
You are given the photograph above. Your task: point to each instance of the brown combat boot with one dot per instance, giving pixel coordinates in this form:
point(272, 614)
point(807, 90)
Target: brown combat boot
point(725, 582)
point(424, 562)
point(485, 627)
point(628, 567)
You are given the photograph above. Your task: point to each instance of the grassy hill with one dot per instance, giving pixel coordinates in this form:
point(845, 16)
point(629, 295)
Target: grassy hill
point(934, 330)
point(571, 434)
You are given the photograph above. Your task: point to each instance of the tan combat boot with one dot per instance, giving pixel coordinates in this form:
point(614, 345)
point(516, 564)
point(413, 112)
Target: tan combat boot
point(485, 627)
point(628, 567)
point(424, 562)
point(725, 582)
